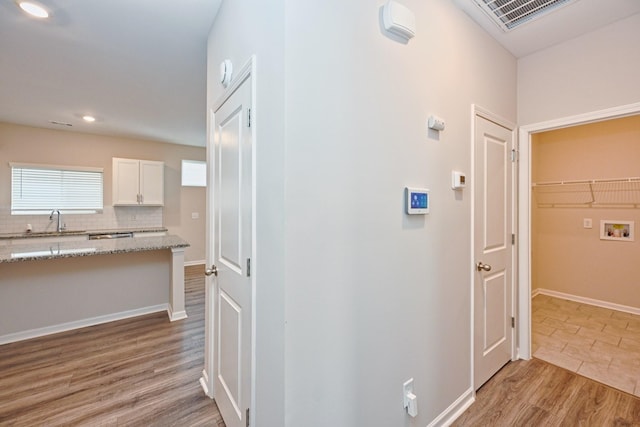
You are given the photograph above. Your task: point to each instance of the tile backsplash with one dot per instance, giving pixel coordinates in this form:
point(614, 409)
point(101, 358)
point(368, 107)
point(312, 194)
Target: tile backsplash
point(110, 218)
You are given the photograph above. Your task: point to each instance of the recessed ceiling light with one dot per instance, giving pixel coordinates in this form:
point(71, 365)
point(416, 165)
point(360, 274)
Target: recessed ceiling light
point(57, 123)
point(89, 119)
point(33, 9)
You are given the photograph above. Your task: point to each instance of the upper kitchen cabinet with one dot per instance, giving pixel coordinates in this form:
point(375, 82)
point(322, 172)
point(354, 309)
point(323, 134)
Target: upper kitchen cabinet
point(138, 182)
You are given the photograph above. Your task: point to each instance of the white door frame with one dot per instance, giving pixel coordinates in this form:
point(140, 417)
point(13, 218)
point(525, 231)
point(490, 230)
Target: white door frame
point(524, 209)
point(248, 71)
point(476, 110)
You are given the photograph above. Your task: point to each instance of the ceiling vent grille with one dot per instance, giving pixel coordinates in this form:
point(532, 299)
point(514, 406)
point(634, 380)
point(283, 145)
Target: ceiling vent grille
point(509, 14)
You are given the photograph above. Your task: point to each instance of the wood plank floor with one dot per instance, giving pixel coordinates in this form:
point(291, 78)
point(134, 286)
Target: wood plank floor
point(142, 371)
point(536, 393)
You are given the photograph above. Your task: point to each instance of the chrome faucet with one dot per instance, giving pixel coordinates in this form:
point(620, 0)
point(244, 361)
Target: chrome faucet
point(60, 227)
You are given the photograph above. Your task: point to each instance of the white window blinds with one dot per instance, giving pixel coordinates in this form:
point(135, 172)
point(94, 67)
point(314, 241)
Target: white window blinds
point(41, 188)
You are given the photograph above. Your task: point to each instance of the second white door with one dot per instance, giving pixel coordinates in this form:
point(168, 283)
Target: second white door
point(232, 223)
point(493, 251)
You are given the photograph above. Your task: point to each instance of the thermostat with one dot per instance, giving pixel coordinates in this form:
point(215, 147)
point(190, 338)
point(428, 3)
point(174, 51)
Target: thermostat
point(458, 180)
point(417, 200)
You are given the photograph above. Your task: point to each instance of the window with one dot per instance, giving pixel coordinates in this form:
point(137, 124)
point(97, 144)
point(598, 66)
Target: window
point(194, 173)
point(38, 189)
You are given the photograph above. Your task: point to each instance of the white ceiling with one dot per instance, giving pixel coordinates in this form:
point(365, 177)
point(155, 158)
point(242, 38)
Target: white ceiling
point(139, 66)
point(564, 23)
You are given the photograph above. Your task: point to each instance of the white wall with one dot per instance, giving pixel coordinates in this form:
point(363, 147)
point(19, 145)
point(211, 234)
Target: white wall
point(372, 297)
point(589, 73)
point(241, 29)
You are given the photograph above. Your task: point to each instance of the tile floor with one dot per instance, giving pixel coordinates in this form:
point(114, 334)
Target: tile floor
point(595, 342)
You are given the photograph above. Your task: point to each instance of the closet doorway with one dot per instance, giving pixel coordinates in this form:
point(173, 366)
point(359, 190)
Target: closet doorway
point(584, 203)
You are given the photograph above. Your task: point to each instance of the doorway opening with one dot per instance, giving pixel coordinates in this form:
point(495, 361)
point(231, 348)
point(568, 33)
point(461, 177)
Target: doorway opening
point(586, 195)
point(528, 217)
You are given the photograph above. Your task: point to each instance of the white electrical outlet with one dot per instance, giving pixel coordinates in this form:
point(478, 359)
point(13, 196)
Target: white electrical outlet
point(587, 223)
point(195, 215)
point(410, 399)
point(407, 387)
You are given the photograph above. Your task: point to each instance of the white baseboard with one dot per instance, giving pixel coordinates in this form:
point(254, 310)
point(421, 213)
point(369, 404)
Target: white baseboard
point(204, 380)
point(454, 410)
point(62, 327)
point(590, 301)
point(192, 263)
point(535, 292)
point(178, 315)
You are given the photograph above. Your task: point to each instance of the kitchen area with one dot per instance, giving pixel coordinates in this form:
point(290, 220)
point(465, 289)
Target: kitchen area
point(102, 295)
point(63, 270)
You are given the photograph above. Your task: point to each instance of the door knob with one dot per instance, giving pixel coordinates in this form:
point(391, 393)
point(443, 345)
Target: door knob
point(213, 270)
point(483, 267)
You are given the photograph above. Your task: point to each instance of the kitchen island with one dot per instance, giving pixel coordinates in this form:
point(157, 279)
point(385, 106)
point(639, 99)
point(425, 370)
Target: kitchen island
point(49, 287)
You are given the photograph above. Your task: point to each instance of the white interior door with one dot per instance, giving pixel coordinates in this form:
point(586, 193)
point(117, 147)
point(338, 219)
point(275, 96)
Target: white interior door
point(232, 235)
point(493, 251)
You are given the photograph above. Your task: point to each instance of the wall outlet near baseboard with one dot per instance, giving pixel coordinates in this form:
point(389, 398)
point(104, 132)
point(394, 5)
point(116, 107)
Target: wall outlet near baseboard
point(410, 399)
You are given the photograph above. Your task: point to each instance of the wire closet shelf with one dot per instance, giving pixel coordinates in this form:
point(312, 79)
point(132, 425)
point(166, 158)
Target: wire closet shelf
point(619, 192)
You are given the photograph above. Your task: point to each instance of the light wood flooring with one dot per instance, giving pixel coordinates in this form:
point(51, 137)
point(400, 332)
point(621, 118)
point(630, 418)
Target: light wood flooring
point(142, 371)
point(536, 393)
point(596, 342)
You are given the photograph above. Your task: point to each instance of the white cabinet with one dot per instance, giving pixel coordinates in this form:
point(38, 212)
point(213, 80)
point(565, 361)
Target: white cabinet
point(151, 183)
point(138, 182)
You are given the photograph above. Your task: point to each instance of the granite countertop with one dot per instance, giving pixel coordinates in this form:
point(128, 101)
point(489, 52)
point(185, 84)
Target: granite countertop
point(25, 235)
point(70, 249)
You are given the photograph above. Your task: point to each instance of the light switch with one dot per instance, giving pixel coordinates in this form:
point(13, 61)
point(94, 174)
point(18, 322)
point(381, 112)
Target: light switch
point(195, 215)
point(587, 223)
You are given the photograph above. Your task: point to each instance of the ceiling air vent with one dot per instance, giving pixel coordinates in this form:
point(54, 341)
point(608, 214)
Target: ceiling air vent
point(509, 14)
